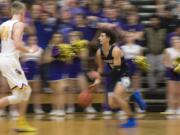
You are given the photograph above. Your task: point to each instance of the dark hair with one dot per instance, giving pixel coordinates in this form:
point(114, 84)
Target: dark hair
point(81, 14)
point(177, 24)
point(110, 34)
point(154, 16)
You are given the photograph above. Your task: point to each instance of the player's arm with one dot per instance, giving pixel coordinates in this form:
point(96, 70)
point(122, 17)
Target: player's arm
point(166, 59)
point(47, 58)
point(117, 71)
point(17, 36)
point(117, 54)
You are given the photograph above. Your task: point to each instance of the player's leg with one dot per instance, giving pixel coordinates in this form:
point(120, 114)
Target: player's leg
point(72, 87)
point(12, 71)
point(36, 89)
point(119, 98)
point(23, 96)
point(12, 108)
point(19, 96)
point(106, 105)
point(58, 98)
point(171, 92)
point(178, 96)
point(136, 95)
point(4, 102)
point(82, 82)
point(3, 92)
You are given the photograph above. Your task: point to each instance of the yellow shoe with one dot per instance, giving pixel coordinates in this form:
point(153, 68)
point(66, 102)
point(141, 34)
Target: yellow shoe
point(23, 126)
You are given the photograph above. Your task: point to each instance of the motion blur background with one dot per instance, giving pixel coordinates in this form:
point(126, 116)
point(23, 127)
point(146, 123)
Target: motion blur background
point(153, 23)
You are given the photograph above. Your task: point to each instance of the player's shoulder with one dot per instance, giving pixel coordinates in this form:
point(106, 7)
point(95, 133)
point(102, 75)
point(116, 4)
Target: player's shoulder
point(98, 52)
point(3, 23)
point(117, 51)
point(19, 24)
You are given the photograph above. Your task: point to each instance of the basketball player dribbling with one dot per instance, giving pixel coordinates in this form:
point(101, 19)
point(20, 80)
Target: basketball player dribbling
point(11, 33)
point(111, 56)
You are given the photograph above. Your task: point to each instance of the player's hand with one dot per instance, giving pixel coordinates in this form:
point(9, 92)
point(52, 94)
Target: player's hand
point(94, 85)
point(93, 75)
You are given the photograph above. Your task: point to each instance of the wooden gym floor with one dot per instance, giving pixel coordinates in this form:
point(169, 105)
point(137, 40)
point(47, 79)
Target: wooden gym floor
point(81, 124)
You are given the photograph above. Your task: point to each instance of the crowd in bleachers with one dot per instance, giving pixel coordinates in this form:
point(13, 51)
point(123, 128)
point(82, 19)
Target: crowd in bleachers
point(50, 22)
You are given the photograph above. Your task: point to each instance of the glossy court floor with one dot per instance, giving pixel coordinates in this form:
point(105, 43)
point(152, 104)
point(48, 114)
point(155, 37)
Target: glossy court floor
point(80, 124)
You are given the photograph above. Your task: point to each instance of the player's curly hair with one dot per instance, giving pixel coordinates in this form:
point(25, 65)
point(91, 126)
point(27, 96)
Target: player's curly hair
point(110, 34)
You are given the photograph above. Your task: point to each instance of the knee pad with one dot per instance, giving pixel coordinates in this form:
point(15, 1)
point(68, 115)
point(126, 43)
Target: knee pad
point(20, 95)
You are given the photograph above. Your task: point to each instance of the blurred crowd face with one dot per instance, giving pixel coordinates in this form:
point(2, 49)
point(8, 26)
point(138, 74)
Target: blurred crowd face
point(176, 42)
point(108, 3)
point(129, 37)
point(122, 4)
point(154, 22)
point(79, 19)
point(132, 19)
point(72, 3)
point(111, 13)
point(65, 15)
point(94, 6)
point(74, 36)
point(36, 11)
point(178, 31)
point(57, 39)
point(44, 16)
point(50, 7)
point(5, 6)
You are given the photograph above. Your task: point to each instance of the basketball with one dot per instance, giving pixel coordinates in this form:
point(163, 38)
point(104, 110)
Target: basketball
point(85, 98)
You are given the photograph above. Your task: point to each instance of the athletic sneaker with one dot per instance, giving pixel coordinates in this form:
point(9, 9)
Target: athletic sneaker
point(23, 126)
point(90, 109)
point(70, 110)
point(131, 123)
point(105, 113)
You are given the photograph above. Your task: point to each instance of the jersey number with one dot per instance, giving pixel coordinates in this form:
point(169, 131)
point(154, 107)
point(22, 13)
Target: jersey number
point(4, 33)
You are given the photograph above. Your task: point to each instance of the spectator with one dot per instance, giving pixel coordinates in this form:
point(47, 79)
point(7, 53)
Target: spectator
point(168, 20)
point(4, 11)
point(172, 34)
point(74, 7)
point(65, 24)
point(31, 65)
point(155, 43)
point(170, 55)
point(80, 24)
point(93, 9)
point(76, 75)
point(44, 28)
point(134, 26)
point(55, 75)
